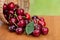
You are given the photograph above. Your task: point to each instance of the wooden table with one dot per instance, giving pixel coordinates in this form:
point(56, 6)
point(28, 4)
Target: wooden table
point(53, 23)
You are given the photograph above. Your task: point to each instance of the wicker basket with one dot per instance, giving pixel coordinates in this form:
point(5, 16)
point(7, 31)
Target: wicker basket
point(22, 4)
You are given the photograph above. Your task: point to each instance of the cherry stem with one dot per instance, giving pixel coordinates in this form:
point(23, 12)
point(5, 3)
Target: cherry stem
point(16, 16)
point(9, 16)
point(15, 24)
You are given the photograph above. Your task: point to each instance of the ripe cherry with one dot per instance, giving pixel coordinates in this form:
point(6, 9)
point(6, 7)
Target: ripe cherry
point(42, 23)
point(36, 26)
point(27, 16)
point(36, 33)
point(5, 11)
point(35, 17)
point(12, 28)
point(11, 12)
point(12, 21)
point(35, 21)
point(5, 6)
point(41, 19)
point(27, 22)
point(21, 23)
point(45, 30)
point(20, 12)
point(16, 7)
point(19, 30)
point(11, 6)
point(19, 17)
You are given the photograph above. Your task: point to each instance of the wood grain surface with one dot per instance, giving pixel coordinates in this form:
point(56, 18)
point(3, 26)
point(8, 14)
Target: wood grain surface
point(53, 23)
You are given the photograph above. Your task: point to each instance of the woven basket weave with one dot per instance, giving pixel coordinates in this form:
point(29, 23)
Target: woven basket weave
point(22, 4)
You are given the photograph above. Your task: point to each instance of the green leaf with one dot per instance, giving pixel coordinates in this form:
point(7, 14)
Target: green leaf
point(30, 28)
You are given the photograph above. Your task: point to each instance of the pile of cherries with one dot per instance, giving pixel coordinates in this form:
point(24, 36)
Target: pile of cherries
point(18, 20)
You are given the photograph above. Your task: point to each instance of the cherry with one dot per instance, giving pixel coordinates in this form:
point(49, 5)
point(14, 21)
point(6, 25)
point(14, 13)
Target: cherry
point(16, 7)
point(20, 12)
point(19, 17)
point(36, 33)
point(11, 5)
point(5, 11)
point(27, 16)
point(26, 21)
point(4, 6)
point(19, 30)
point(35, 17)
point(12, 28)
point(36, 26)
point(45, 30)
point(12, 20)
point(42, 23)
point(35, 21)
point(11, 12)
point(41, 19)
point(21, 23)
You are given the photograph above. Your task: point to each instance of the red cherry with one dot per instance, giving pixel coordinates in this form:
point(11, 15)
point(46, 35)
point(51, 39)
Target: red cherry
point(35, 17)
point(20, 12)
point(12, 28)
point(19, 17)
point(11, 5)
point(12, 20)
point(11, 12)
point(42, 23)
point(45, 30)
point(36, 26)
point(16, 7)
point(26, 21)
point(4, 6)
point(27, 16)
point(36, 33)
point(35, 21)
point(21, 23)
point(19, 30)
point(41, 19)
point(5, 11)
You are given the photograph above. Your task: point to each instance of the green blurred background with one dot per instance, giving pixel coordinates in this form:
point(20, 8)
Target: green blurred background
point(45, 7)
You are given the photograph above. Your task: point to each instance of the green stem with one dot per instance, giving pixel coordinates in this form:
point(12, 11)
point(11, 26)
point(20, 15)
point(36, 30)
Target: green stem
point(15, 24)
point(9, 16)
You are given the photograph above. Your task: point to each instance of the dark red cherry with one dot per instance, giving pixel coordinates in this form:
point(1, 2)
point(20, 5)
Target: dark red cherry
point(45, 30)
point(5, 11)
point(41, 19)
point(5, 6)
point(36, 33)
point(19, 30)
point(35, 21)
point(35, 17)
point(27, 16)
point(42, 23)
point(11, 12)
point(19, 17)
point(21, 23)
point(11, 6)
point(12, 28)
point(12, 20)
point(36, 26)
point(20, 12)
point(27, 22)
